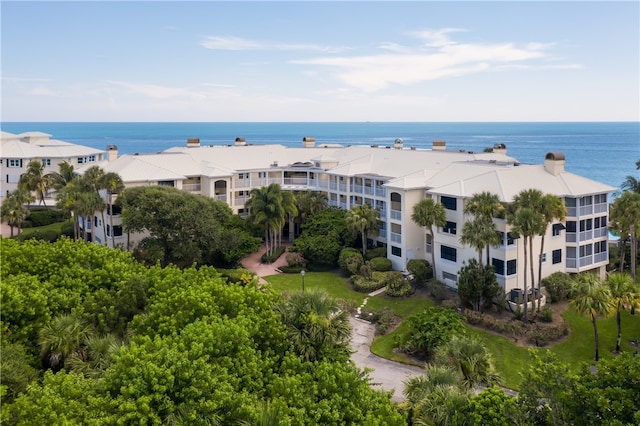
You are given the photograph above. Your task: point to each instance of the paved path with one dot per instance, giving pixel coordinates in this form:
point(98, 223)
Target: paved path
point(385, 374)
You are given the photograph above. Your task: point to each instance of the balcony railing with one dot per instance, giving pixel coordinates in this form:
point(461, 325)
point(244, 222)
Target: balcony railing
point(571, 263)
point(242, 183)
point(586, 260)
point(342, 187)
point(571, 237)
point(571, 211)
point(600, 208)
point(240, 201)
point(191, 187)
point(600, 257)
point(586, 235)
point(396, 214)
point(381, 192)
point(221, 197)
point(395, 237)
point(300, 181)
point(585, 210)
point(600, 232)
point(356, 188)
point(368, 190)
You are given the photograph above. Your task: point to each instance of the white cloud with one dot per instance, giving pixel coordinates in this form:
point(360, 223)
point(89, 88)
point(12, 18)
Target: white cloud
point(43, 91)
point(410, 65)
point(238, 43)
point(157, 92)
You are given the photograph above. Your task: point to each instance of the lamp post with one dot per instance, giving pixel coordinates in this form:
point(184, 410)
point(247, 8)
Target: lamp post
point(302, 274)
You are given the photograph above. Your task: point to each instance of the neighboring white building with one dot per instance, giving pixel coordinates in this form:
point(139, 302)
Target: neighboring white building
point(18, 150)
point(391, 179)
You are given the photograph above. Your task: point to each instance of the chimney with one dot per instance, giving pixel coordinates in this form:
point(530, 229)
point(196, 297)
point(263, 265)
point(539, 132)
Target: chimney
point(397, 144)
point(240, 141)
point(193, 142)
point(500, 148)
point(554, 163)
point(308, 141)
point(112, 152)
point(439, 145)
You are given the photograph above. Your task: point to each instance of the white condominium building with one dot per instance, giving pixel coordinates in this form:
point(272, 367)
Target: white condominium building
point(18, 150)
point(392, 179)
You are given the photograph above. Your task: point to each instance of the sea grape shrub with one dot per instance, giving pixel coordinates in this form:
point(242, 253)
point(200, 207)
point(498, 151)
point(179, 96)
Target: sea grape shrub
point(420, 269)
point(558, 285)
point(429, 329)
point(350, 260)
point(381, 264)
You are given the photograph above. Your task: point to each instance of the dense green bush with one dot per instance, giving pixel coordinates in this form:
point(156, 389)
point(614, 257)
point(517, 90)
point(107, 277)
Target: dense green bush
point(438, 290)
point(546, 314)
point(367, 285)
point(277, 252)
point(420, 269)
point(350, 261)
point(381, 264)
point(397, 286)
point(376, 252)
point(429, 329)
point(43, 217)
point(67, 230)
point(558, 285)
point(237, 276)
point(40, 234)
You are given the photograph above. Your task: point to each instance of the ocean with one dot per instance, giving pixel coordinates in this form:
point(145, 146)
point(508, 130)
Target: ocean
point(602, 151)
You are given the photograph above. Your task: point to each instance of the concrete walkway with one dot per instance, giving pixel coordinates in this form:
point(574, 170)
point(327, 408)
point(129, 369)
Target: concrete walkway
point(384, 374)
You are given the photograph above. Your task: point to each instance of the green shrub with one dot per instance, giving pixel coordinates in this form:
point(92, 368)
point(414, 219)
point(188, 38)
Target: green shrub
point(429, 329)
point(42, 217)
point(420, 269)
point(376, 252)
point(237, 276)
point(397, 286)
point(40, 234)
point(67, 230)
point(381, 264)
point(295, 258)
point(367, 285)
point(451, 304)
point(546, 314)
point(385, 321)
point(558, 285)
point(350, 260)
point(277, 252)
point(438, 290)
point(292, 269)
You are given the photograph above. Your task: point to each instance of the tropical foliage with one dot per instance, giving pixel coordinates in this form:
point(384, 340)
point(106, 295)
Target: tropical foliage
point(363, 219)
point(427, 213)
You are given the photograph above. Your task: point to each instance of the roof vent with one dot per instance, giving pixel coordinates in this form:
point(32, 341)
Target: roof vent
point(500, 148)
point(112, 152)
point(240, 141)
point(554, 162)
point(439, 145)
point(193, 142)
point(398, 143)
point(308, 142)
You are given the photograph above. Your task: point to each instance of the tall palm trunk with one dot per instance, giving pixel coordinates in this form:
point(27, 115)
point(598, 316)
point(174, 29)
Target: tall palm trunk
point(113, 244)
point(618, 323)
point(595, 334)
point(540, 271)
point(533, 275)
point(623, 250)
point(526, 299)
point(433, 255)
point(634, 249)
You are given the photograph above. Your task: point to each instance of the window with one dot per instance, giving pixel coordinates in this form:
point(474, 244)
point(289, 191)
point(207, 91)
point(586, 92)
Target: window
point(556, 256)
point(115, 209)
point(600, 222)
point(586, 250)
point(510, 239)
point(585, 225)
point(95, 221)
point(262, 175)
point(13, 162)
point(498, 265)
point(571, 226)
point(165, 183)
point(600, 247)
point(82, 160)
point(449, 228)
point(428, 246)
point(117, 230)
point(543, 257)
point(46, 161)
point(556, 229)
point(243, 175)
point(448, 253)
point(449, 203)
point(92, 158)
point(512, 267)
point(396, 251)
point(450, 276)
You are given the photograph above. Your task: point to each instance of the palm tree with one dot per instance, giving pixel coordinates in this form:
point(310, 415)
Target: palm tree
point(591, 298)
point(61, 178)
point(363, 219)
point(309, 203)
point(290, 208)
point(67, 200)
point(623, 293)
point(93, 358)
point(266, 209)
point(114, 185)
point(631, 184)
point(624, 220)
point(552, 208)
point(316, 326)
point(93, 179)
point(480, 233)
point(471, 359)
point(63, 337)
point(427, 213)
point(484, 204)
point(87, 204)
point(34, 179)
point(526, 222)
point(13, 209)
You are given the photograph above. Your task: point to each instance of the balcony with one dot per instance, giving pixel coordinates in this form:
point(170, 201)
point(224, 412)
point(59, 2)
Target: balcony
point(396, 215)
point(380, 192)
point(586, 235)
point(191, 187)
point(572, 211)
point(222, 197)
point(242, 183)
point(600, 257)
point(356, 189)
point(586, 210)
point(571, 237)
point(396, 238)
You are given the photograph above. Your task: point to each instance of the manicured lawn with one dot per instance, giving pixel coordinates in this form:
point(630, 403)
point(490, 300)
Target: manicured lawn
point(334, 284)
point(510, 359)
point(54, 226)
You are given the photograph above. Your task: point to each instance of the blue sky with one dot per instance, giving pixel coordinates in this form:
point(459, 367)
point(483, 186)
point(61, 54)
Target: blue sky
point(320, 61)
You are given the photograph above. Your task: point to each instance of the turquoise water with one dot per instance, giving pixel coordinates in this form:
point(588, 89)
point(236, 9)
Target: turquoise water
point(601, 151)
